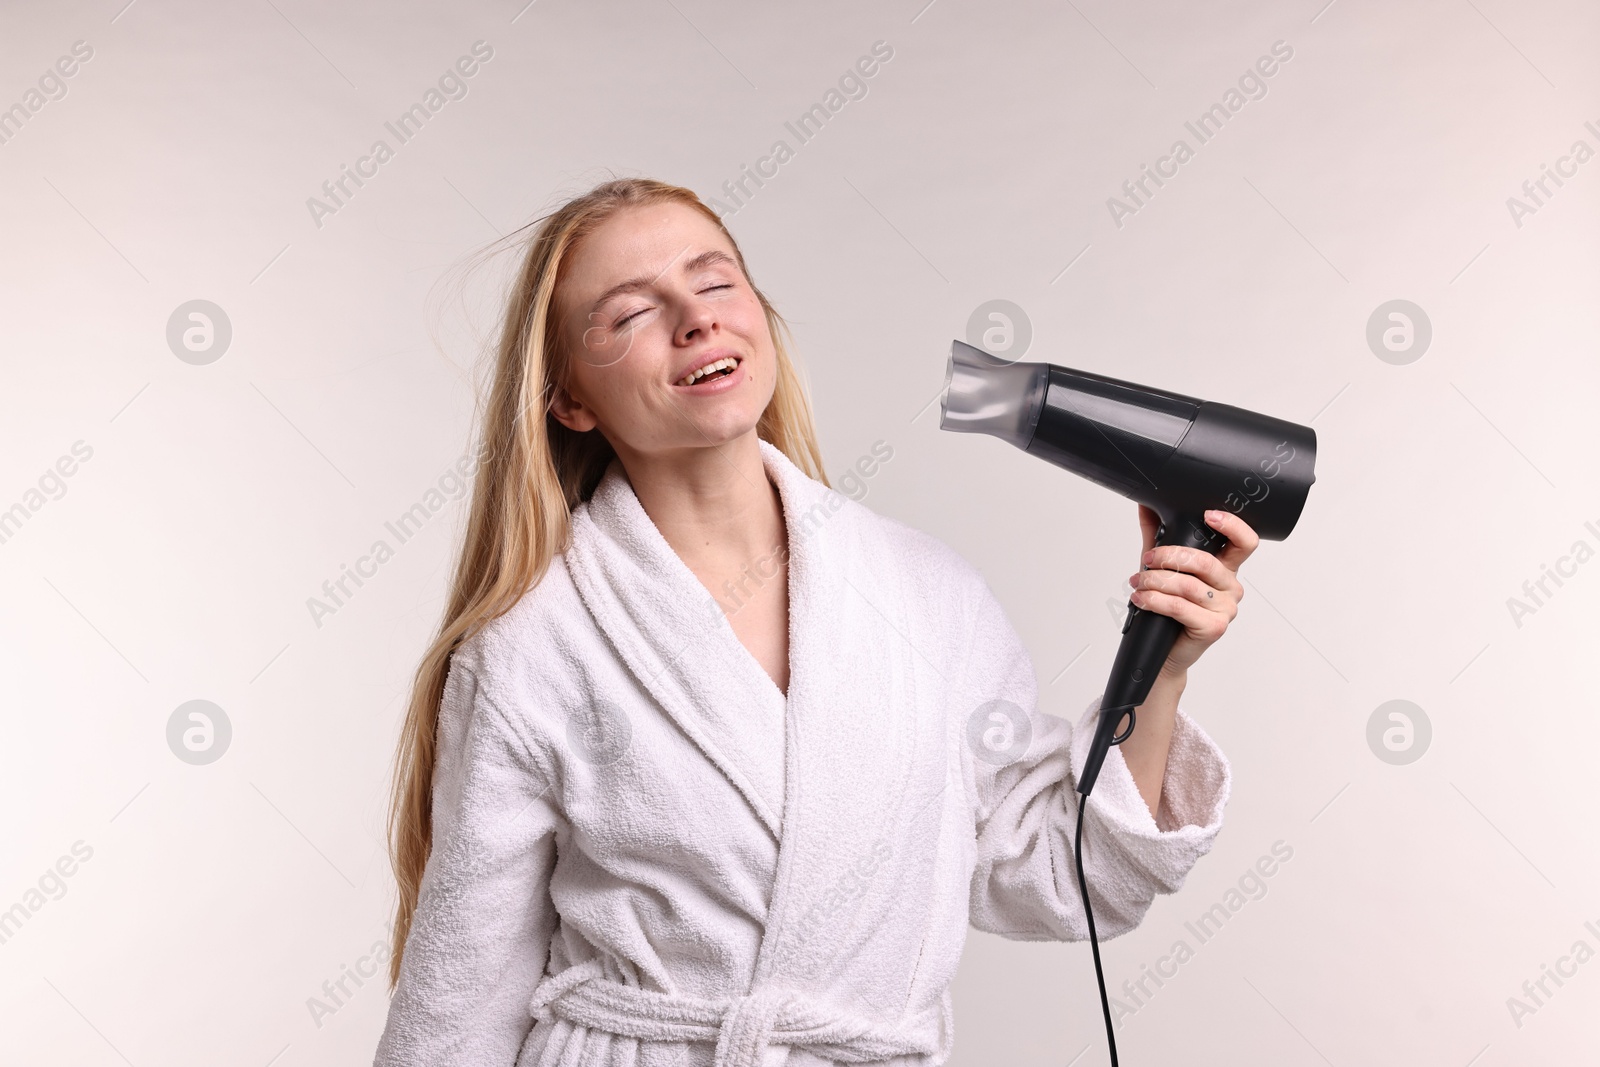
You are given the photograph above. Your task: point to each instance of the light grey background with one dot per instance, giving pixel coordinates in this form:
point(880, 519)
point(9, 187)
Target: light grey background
point(176, 563)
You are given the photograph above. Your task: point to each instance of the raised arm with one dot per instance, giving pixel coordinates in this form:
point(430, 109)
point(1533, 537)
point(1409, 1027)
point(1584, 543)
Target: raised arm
point(1024, 767)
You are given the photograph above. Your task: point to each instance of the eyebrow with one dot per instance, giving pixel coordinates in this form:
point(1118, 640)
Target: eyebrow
point(703, 260)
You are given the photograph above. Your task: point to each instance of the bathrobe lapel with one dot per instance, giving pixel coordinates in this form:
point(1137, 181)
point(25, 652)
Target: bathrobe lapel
point(839, 771)
point(676, 640)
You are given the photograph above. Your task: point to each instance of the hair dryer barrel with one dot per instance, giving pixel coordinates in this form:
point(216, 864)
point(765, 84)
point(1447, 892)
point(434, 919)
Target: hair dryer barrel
point(1177, 455)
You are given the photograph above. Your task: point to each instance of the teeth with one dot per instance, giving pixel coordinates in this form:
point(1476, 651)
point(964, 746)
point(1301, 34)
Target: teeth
point(709, 368)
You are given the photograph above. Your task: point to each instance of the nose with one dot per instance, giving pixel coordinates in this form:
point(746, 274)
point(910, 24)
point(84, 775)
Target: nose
point(698, 321)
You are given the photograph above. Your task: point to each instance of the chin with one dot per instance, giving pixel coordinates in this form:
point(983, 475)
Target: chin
point(729, 428)
point(727, 433)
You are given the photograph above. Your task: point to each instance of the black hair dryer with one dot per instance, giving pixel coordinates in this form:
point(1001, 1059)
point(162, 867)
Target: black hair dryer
point(1174, 454)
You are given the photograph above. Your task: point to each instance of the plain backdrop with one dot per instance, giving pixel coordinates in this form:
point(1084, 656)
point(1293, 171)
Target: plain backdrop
point(1426, 885)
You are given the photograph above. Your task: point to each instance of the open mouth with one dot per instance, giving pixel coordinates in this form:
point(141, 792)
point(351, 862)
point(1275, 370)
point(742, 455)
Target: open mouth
point(720, 368)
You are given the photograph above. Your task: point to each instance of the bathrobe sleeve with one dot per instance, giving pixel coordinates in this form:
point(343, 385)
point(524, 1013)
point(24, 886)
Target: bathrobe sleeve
point(1025, 883)
point(480, 936)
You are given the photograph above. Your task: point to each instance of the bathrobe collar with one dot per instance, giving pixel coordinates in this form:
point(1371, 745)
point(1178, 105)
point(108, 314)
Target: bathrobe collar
point(676, 639)
point(828, 769)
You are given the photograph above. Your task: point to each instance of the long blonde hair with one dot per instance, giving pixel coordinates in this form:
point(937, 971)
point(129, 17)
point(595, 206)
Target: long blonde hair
point(533, 472)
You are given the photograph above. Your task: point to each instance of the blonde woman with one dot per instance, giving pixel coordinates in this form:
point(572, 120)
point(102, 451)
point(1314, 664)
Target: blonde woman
point(703, 768)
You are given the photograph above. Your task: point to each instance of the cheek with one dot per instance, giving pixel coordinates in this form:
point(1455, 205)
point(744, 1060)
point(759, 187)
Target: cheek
point(600, 349)
point(750, 319)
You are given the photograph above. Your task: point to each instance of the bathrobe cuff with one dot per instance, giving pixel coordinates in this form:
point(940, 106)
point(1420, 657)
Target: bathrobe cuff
point(1194, 790)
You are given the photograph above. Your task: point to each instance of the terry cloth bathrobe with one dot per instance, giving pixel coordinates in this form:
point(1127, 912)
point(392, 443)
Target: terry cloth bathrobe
point(645, 855)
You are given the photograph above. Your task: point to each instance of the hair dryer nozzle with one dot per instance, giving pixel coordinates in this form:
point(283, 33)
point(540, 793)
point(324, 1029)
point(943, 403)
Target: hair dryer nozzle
point(986, 394)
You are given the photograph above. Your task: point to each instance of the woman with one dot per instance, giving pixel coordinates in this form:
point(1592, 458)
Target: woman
point(709, 764)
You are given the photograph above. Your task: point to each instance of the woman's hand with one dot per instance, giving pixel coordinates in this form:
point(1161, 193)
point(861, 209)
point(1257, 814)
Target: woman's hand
point(1198, 589)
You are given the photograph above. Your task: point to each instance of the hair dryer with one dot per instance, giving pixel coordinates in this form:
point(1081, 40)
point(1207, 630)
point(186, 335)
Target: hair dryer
point(1175, 454)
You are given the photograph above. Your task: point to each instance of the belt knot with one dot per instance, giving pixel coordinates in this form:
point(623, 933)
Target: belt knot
point(748, 1026)
point(742, 1028)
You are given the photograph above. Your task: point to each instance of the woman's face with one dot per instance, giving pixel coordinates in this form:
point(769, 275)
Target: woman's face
point(651, 295)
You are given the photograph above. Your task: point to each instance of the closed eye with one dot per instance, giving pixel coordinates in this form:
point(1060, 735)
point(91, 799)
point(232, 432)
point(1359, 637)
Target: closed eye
point(626, 319)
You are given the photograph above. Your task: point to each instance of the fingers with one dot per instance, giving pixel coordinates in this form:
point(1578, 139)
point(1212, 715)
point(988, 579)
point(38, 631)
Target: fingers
point(1203, 623)
point(1199, 590)
point(1185, 587)
point(1215, 572)
point(1242, 540)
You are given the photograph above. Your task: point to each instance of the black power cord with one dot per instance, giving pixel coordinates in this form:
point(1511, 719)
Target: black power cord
point(1083, 889)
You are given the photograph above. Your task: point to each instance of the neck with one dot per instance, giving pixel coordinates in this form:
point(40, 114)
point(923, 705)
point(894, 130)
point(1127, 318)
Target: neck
point(714, 504)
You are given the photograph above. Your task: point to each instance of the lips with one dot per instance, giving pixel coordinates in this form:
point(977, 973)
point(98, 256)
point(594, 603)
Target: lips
point(708, 367)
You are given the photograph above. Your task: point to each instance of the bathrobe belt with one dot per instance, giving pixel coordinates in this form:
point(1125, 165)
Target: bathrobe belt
point(742, 1027)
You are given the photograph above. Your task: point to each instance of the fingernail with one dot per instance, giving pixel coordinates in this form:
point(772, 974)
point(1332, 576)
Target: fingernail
point(1213, 517)
point(1149, 558)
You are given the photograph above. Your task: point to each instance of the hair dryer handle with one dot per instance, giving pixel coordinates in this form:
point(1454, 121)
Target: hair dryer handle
point(1147, 639)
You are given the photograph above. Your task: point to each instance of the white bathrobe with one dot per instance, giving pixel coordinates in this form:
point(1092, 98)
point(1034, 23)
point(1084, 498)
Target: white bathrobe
point(645, 855)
